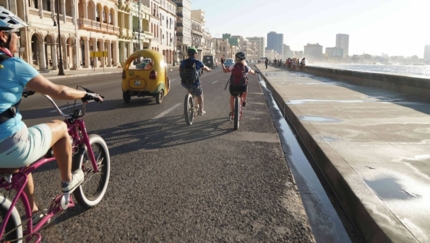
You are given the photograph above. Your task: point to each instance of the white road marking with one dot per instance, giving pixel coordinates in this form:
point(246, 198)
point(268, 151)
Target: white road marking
point(167, 111)
point(214, 81)
point(171, 80)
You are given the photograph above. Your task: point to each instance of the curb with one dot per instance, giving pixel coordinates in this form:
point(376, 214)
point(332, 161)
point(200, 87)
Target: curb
point(77, 75)
point(371, 217)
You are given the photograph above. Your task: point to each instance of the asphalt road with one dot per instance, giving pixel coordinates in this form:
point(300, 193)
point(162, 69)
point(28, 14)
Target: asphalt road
point(176, 183)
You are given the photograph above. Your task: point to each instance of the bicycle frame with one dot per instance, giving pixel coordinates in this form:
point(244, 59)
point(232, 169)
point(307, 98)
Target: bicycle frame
point(17, 181)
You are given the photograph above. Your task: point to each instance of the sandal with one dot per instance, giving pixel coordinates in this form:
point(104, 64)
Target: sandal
point(38, 215)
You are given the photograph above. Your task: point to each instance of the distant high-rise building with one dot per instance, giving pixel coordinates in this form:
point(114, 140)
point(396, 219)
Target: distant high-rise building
point(427, 53)
point(276, 42)
point(342, 41)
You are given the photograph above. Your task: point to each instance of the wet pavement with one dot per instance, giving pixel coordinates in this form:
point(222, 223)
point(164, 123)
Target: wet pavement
point(371, 144)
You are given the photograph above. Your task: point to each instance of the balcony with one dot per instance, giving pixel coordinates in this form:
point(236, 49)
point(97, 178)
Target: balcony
point(197, 32)
point(93, 25)
point(149, 35)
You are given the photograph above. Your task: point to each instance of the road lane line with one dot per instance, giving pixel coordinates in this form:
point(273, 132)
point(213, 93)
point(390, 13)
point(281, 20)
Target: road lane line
point(167, 111)
point(214, 81)
point(171, 80)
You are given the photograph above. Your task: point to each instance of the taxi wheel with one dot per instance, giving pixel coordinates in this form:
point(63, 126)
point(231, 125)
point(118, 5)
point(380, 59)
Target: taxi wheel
point(160, 97)
point(126, 96)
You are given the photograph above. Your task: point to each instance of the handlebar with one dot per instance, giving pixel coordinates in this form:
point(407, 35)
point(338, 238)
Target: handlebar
point(76, 113)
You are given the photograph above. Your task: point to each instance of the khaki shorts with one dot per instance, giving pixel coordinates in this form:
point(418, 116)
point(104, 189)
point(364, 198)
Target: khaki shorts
point(25, 147)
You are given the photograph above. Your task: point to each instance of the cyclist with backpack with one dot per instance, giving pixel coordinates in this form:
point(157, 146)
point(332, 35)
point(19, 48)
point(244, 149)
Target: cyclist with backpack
point(189, 71)
point(19, 145)
point(238, 79)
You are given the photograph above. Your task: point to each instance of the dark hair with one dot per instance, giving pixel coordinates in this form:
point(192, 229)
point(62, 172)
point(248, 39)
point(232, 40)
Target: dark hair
point(5, 44)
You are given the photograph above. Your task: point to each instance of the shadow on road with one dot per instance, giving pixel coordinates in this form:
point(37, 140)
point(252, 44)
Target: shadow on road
point(161, 133)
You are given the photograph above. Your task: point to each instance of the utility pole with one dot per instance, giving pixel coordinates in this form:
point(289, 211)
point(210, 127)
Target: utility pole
point(139, 24)
point(60, 63)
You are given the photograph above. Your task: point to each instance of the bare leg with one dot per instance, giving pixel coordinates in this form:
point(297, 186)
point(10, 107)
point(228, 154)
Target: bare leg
point(61, 146)
point(200, 102)
point(29, 191)
point(244, 95)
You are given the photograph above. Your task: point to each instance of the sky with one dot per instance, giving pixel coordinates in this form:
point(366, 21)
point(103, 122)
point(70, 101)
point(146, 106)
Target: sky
point(375, 27)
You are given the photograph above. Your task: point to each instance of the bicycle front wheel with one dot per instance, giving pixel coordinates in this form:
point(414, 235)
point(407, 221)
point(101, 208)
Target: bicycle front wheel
point(13, 230)
point(92, 190)
point(189, 109)
point(236, 112)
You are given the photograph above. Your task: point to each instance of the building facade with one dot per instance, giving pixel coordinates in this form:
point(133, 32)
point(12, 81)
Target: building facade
point(167, 31)
point(183, 27)
point(260, 44)
point(222, 48)
point(334, 52)
point(197, 31)
point(110, 27)
point(314, 51)
point(275, 42)
point(342, 41)
point(287, 52)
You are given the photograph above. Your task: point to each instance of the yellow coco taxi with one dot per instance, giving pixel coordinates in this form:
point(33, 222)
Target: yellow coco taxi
point(145, 74)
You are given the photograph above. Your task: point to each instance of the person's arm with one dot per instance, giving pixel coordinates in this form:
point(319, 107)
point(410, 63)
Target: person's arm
point(207, 69)
point(42, 85)
point(251, 71)
point(224, 69)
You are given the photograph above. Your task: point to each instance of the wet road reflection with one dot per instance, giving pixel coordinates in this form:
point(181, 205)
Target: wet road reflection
point(323, 218)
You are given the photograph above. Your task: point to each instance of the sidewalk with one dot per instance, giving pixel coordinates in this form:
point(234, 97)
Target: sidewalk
point(372, 145)
point(53, 74)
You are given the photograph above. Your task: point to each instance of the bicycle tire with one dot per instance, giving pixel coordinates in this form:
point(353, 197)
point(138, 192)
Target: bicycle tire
point(13, 231)
point(189, 109)
point(236, 112)
point(83, 193)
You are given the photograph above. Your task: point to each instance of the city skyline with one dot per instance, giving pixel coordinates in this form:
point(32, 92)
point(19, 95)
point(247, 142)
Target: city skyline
point(374, 27)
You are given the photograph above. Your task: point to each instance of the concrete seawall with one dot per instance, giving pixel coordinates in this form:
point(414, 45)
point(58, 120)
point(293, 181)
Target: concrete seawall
point(356, 140)
point(414, 86)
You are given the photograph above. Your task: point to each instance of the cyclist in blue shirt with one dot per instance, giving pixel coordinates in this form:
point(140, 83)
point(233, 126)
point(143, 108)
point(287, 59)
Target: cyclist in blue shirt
point(19, 145)
point(195, 88)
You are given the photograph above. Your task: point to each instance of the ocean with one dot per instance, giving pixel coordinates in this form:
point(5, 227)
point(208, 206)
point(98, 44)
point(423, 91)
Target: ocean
point(406, 70)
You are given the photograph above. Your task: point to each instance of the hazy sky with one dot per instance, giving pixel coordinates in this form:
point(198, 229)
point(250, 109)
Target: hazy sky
point(393, 27)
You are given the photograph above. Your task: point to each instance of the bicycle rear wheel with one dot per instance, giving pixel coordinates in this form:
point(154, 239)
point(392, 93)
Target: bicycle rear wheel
point(189, 109)
point(236, 112)
point(92, 190)
point(13, 230)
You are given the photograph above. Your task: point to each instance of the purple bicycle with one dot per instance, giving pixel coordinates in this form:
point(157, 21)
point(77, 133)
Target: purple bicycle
point(90, 153)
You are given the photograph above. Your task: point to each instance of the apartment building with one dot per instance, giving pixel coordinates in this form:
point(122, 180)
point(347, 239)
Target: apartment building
point(167, 32)
point(260, 43)
point(84, 27)
point(134, 27)
point(342, 41)
point(222, 48)
point(77, 21)
point(197, 29)
point(183, 27)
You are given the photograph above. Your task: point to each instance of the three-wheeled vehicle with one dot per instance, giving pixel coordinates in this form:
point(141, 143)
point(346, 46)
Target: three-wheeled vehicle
point(145, 74)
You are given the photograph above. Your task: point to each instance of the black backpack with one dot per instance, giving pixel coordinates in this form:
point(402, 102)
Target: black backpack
point(189, 73)
point(238, 75)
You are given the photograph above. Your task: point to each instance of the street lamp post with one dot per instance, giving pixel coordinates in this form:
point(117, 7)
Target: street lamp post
point(60, 63)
